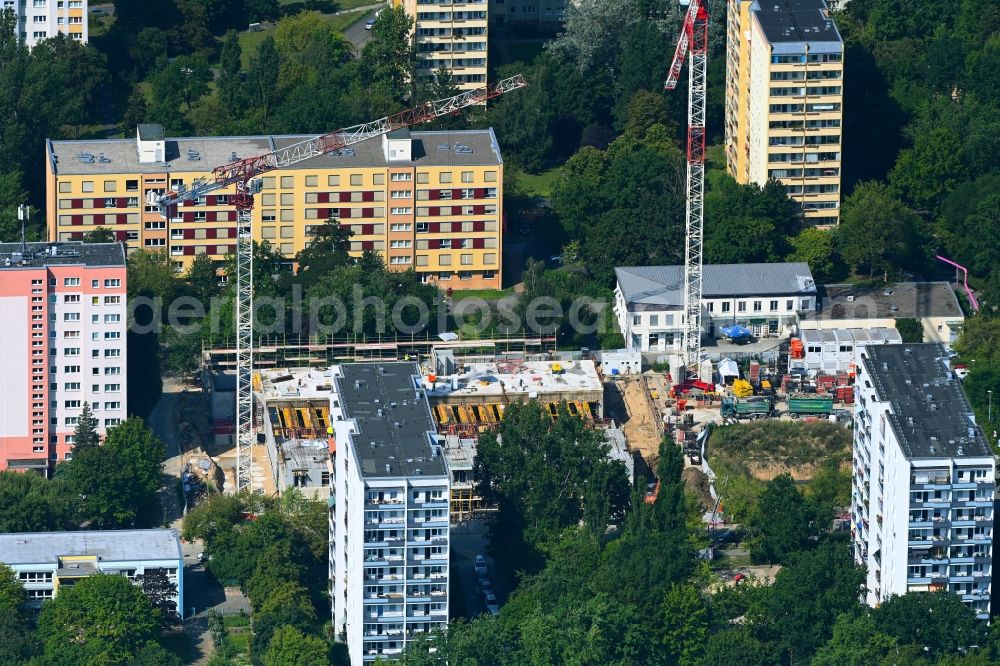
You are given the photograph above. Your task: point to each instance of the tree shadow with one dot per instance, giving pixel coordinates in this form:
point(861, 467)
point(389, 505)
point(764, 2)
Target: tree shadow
point(322, 6)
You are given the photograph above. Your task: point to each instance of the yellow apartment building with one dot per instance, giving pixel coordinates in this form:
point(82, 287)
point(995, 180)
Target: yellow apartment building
point(450, 34)
point(431, 201)
point(784, 101)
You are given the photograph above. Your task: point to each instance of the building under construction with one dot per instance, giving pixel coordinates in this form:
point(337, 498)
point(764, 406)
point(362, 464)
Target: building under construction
point(470, 397)
point(293, 412)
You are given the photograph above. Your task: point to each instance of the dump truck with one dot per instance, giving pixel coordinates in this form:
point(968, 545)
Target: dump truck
point(733, 408)
point(809, 405)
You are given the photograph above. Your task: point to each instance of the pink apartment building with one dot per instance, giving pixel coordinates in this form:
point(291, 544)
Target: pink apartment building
point(62, 343)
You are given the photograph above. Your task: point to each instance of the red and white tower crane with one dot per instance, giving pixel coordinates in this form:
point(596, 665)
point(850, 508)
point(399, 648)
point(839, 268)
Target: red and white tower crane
point(693, 44)
point(243, 174)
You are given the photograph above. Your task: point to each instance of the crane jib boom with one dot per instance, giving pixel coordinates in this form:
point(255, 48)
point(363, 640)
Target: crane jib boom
point(243, 170)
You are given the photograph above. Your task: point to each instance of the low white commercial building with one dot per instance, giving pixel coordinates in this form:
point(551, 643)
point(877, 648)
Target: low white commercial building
point(924, 479)
point(46, 562)
point(834, 350)
point(389, 538)
point(933, 304)
point(768, 299)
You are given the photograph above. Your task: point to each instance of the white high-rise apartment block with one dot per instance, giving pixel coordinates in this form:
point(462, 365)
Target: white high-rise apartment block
point(41, 19)
point(924, 479)
point(389, 511)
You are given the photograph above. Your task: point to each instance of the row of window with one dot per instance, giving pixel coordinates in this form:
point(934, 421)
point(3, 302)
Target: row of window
point(808, 158)
point(803, 58)
point(60, 4)
point(94, 353)
point(809, 124)
point(817, 107)
point(287, 182)
point(799, 91)
point(810, 75)
point(802, 140)
point(111, 283)
point(725, 306)
point(799, 173)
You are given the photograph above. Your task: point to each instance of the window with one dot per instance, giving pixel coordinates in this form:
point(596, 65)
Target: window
point(654, 320)
point(741, 306)
point(112, 300)
point(112, 388)
point(71, 386)
point(465, 275)
point(111, 422)
point(757, 306)
point(637, 320)
point(112, 335)
point(467, 176)
point(71, 316)
point(400, 226)
point(71, 298)
point(711, 306)
point(789, 305)
point(725, 306)
point(112, 283)
point(71, 368)
point(112, 318)
point(112, 353)
point(399, 260)
point(71, 351)
point(112, 370)
point(445, 244)
point(71, 282)
point(805, 303)
point(401, 210)
point(398, 177)
point(444, 177)
point(72, 420)
point(113, 405)
point(71, 404)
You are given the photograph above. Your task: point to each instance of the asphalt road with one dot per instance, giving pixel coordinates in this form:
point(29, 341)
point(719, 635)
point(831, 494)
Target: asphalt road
point(357, 34)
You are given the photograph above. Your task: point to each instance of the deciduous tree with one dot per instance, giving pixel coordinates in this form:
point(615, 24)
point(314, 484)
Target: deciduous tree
point(102, 619)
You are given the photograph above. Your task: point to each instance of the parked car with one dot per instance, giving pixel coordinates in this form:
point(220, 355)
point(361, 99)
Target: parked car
point(493, 609)
point(480, 566)
point(490, 598)
point(369, 23)
point(486, 584)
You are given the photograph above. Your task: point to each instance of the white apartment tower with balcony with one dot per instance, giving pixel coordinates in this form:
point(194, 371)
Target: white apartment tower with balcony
point(450, 35)
point(924, 479)
point(388, 511)
point(42, 19)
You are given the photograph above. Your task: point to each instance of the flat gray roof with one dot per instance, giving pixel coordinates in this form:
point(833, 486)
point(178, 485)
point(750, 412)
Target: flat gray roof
point(106, 545)
point(806, 21)
point(184, 154)
point(393, 416)
point(67, 254)
point(930, 413)
point(661, 287)
point(903, 300)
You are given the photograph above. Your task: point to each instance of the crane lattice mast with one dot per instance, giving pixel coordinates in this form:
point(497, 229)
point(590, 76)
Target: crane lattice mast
point(243, 175)
point(693, 44)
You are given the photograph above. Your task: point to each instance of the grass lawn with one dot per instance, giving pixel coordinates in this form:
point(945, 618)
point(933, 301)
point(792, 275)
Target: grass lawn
point(249, 41)
point(485, 294)
point(715, 163)
point(239, 620)
point(540, 184)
